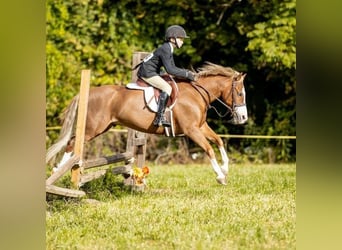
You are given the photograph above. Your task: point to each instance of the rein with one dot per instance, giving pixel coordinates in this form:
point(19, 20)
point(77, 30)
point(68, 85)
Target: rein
point(229, 109)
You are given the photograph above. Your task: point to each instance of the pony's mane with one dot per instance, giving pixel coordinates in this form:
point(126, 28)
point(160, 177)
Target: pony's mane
point(211, 69)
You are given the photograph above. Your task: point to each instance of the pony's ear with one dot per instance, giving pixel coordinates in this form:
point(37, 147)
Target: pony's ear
point(242, 75)
point(238, 76)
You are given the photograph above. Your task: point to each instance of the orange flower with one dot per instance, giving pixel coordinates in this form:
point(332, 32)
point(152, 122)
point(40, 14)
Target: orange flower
point(139, 174)
point(146, 170)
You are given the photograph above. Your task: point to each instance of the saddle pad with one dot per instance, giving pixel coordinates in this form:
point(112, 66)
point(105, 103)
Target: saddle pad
point(148, 95)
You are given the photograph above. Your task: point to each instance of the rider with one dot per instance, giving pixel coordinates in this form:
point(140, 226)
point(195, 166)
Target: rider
point(149, 69)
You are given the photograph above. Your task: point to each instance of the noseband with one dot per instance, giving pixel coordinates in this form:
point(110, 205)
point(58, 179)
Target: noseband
point(230, 109)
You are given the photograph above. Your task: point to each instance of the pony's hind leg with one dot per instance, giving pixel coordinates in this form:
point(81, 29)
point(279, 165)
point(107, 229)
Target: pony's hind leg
point(90, 133)
point(67, 154)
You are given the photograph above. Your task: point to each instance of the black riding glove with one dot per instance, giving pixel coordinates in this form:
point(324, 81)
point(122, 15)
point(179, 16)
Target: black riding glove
point(190, 75)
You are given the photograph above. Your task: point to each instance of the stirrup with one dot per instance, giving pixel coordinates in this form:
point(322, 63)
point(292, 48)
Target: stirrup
point(166, 123)
point(161, 122)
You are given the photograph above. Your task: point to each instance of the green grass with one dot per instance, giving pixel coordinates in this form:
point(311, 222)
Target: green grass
point(183, 208)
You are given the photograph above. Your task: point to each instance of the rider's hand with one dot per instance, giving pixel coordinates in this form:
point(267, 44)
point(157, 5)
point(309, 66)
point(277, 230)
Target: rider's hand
point(190, 76)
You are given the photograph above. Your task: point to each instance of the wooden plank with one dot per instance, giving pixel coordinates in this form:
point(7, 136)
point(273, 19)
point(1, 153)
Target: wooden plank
point(136, 144)
point(91, 176)
point(82, 113)
point(140, 149)
point(137, 58)
point(107, 160)
point(130, 139)
point(62, 170)
point(64, 191)
point(98, 174)
point(139, 141)
point(122, 169)
point(81, 125)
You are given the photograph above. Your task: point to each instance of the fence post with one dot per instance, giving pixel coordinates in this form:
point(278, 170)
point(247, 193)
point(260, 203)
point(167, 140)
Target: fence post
point(136, 141)
point(80, 127)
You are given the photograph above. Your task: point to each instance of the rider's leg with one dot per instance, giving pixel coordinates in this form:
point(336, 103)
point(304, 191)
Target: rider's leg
point(160, 119)
point(160, 83)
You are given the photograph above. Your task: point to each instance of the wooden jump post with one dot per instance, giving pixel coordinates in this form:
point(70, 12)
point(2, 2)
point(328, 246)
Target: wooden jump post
point(136, 141)
point(80, 126)
point(75, 162)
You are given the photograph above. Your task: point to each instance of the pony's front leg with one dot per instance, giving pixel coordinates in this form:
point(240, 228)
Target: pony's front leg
point(198, 137)
point(225, 160)
point(213, 137)
point(221, 177)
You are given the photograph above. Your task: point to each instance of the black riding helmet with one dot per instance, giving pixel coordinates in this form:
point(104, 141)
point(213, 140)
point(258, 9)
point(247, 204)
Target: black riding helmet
point(175, 31)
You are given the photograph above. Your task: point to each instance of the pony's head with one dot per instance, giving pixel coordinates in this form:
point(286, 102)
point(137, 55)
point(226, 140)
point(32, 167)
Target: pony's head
point(239, 107)
point(231, 90)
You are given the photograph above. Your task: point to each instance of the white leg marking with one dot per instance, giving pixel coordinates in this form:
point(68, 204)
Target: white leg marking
point(225, 161)
point(65, 158)
point(217, 168)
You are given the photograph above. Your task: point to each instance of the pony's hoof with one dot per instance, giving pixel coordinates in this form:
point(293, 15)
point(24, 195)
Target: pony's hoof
point(225, 172)
point(221, 180)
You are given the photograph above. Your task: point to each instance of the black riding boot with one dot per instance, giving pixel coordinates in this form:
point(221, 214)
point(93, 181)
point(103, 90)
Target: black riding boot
point(160, 119)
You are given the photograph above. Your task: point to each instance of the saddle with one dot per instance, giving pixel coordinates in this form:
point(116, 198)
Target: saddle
point(151, 94)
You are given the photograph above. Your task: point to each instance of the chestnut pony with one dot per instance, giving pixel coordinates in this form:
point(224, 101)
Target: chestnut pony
point(111, 104)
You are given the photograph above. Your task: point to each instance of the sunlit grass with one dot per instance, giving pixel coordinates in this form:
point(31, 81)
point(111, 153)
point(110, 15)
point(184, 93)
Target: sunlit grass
point(184, 208)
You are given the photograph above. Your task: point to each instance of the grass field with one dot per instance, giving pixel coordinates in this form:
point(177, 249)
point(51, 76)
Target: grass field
point(182, 208)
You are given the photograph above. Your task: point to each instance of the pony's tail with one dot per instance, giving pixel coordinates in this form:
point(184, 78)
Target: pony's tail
point(66, 130)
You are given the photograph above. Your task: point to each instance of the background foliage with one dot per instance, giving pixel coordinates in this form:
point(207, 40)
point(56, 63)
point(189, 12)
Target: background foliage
point(257, 37)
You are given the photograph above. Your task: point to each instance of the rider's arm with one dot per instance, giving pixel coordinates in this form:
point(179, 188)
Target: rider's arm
point(168, 62)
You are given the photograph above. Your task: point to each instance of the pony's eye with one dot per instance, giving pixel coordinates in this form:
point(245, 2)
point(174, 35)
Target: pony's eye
point(240, 94)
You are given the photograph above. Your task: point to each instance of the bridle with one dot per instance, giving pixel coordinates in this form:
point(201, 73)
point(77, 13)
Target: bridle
point(209, 106)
